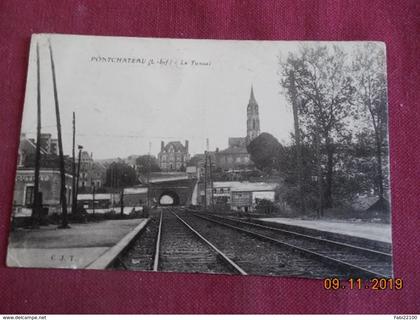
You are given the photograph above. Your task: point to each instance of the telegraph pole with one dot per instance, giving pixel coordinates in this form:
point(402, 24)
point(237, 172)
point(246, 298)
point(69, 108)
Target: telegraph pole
point(78, 172)
point(122, 193)
point(74, 198)
point(36, 212)
point(122, 202)
point(148, 175)
point(63, 199)
point(112, 186)
point(93, 199)
point(211, 182)
point(295, 102)
point(205, 179)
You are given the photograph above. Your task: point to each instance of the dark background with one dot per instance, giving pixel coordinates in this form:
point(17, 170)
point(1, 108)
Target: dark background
point(397, 23)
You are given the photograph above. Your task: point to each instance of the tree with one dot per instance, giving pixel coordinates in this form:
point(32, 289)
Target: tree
point(120, 175)
point(289, 84)
point(196, 160)
point(325, 89)
point(290, 176)
point(265, 151)
point(146, 164)
point(370, 78)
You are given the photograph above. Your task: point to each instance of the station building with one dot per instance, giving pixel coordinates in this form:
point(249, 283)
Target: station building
point(49, 177)
point(239, 195)
point(49, 186)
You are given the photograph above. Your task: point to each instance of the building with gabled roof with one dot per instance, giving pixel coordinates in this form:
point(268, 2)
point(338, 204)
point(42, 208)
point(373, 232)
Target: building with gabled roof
point(173, 156)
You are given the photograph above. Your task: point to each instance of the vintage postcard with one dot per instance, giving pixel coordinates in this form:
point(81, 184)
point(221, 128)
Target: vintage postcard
point(209, 156)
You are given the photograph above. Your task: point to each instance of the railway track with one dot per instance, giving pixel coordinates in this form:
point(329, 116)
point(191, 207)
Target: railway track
point(261, 257)
point(179, 247)
point(171, 244)
point(176, 240)
point(351, 259)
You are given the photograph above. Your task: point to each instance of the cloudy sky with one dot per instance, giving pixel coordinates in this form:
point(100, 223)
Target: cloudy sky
point(122, 106)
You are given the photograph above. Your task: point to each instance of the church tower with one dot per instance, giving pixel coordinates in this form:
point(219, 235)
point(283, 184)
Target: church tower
point(253, 119)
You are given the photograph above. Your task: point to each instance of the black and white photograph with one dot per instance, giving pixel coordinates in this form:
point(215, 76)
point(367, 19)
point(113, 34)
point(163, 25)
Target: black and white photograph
point(204, 156)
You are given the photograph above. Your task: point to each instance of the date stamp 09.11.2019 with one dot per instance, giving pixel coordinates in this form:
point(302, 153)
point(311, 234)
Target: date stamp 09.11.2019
point(359, 283)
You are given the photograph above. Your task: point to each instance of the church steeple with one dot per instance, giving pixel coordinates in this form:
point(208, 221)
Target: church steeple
point(252, 97)
point(253, 118)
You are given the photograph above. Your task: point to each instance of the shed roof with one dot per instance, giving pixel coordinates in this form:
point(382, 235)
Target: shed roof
point(98, 196)
point(245, 186)
point(139, 190)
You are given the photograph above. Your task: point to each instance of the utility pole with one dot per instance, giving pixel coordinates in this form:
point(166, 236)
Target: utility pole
point(113, 186)
point(122, 202)
point(205, 179)
point(63, 199)
point(74, 198)
point(36, 212)
point(93, 199)
point(122, 194)
point(78, 173)
point(295, 105)
point(148, 175)
point(211, 183)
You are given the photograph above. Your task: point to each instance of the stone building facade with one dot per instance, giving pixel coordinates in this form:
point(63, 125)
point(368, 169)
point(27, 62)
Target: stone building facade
point(173, 156)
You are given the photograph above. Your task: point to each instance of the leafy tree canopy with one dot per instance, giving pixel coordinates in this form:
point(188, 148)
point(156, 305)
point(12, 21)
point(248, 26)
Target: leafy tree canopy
point(120, 175)
point(265, 151)
point(147, 163)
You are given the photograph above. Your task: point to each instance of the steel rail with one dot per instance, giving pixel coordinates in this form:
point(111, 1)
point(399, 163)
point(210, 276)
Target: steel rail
point(377, 253)
point(212, 246)
point(157, 248)
point(322, 257)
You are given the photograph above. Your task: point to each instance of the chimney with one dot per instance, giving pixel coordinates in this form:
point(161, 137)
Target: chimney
point(162, 145)
point(186, 145)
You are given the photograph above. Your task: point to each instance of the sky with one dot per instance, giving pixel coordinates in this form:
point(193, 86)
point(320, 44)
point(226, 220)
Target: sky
point(200, 90)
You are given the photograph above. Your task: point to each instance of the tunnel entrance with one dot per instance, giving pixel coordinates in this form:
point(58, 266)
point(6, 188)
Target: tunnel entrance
point(169, 198)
